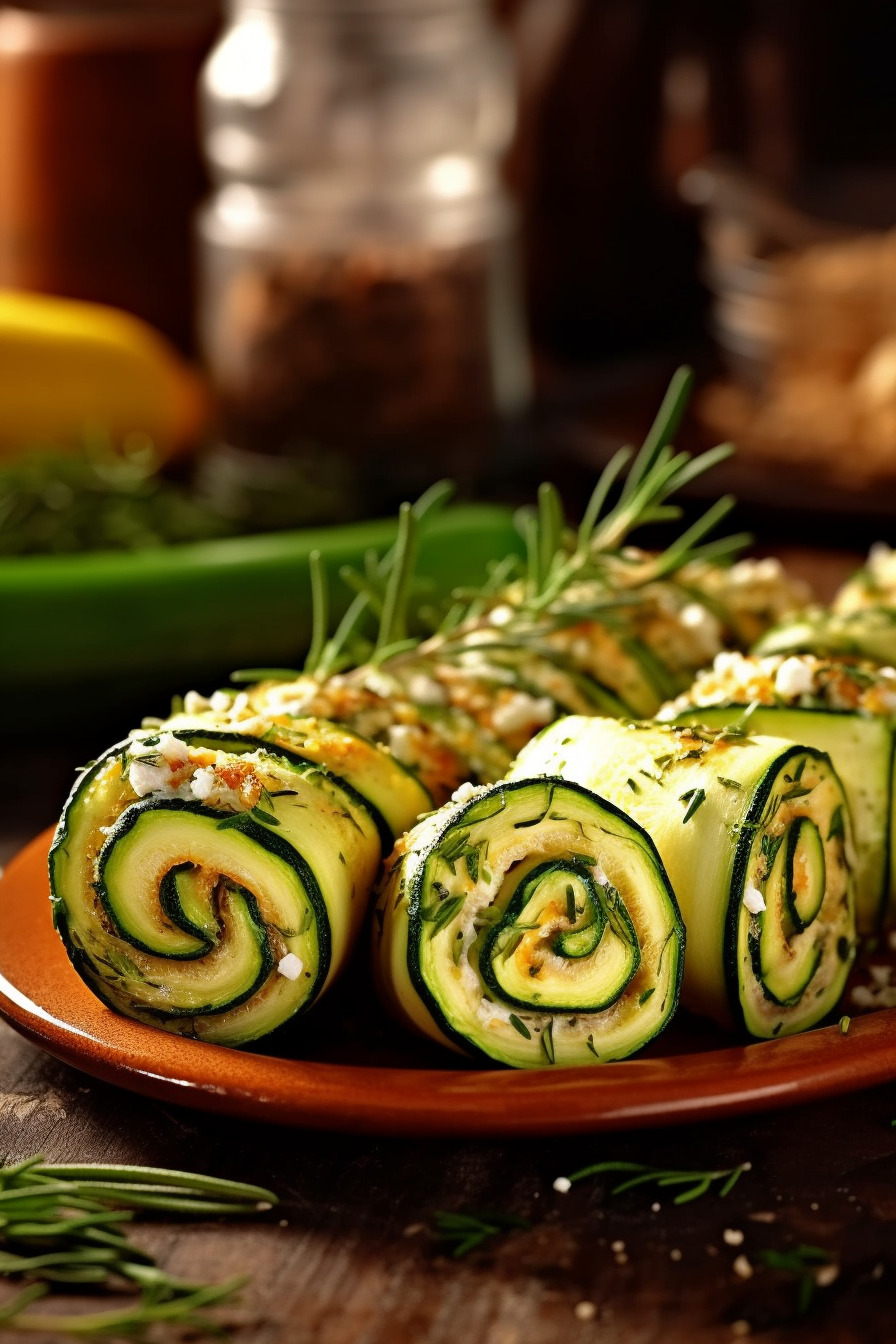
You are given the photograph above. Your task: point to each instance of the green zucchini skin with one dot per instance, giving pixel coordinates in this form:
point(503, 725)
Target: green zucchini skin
point(719, 807)
point(868, 633)
point(211, 918)
point(862, 750)
point(532, 924)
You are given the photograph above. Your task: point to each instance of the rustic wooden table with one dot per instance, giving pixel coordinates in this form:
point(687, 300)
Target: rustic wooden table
point(349, 1257)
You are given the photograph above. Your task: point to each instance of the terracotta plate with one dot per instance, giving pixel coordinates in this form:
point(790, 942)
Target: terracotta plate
point(43, 998)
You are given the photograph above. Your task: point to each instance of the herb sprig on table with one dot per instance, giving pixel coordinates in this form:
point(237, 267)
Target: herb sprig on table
point(63, 1226)
point(809, 1266)
point(467, 1231)
point(693, 1183)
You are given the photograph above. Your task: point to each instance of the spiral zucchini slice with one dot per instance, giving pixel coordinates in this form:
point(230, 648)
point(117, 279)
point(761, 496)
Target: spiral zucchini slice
point(532, 923)
point(213, 883)
point(845, 710)
point(754, 834)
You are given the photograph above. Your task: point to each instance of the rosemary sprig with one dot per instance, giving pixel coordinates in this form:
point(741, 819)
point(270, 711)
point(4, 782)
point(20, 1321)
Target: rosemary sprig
point(383, 589)
point(557, 559)
point(803, 1264)
point(695, 1183)
point(64, 1224)
point(467, 1231)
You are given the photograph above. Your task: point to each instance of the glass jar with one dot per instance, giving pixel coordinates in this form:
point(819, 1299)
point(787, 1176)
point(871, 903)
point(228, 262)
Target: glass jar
point(360, 310)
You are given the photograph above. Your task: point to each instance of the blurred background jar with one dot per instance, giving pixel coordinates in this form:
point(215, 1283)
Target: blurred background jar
point(359, 306)
point(99, 162)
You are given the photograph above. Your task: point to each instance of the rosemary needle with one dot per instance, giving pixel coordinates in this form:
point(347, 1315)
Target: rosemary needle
point(62, 1225)
point(696, 1183)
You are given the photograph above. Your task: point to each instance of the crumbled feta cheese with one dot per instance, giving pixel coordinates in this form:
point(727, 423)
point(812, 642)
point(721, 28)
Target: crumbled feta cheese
point(753, 899)
point(174, 751)
point(600, 876)
point(379, 683)
point(240, 703)
point(742, 1267)
point(194, 703)
point(254, 727)
point(146, 779)
point(286, 699)
point(221, 701)
point(478, 662)
point(402, 743)
point(203, 783)
point(521, 710)
point(464, 792)
point(563, 1185)
point(424, 690)
point(290, 966)
point(693, 616)
point(727, 662)
point(502, 615)
point(794, 677)
point(703, 626)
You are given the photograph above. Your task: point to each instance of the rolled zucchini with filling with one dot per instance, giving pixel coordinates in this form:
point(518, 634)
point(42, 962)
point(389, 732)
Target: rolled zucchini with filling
point(844, 709)
point(866, 633)
point(754, 834)
point(213, 883)
point(530, 922)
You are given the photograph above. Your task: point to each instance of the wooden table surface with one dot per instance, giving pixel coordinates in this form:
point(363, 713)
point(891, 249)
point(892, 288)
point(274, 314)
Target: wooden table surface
point(349, 1257)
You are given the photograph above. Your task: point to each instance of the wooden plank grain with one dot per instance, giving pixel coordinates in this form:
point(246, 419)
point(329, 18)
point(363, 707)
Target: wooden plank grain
point(357, 1262)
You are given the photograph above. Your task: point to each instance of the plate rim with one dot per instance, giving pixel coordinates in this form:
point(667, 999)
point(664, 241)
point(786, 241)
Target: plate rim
point(638, 1093)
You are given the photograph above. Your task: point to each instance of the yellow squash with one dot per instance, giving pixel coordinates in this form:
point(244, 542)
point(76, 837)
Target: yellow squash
point(67, 367)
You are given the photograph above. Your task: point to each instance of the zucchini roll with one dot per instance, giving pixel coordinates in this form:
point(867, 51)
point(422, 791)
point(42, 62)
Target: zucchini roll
point(530, 922)
point(640, 639)
point(874, 585)
point(753, 832)
point(212, 882)
point(843, 709)
point(866, 633)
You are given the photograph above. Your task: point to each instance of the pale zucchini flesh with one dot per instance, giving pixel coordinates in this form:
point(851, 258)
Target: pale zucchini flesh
point(751, 830)
point(533, 924)
point(179, 913)
point(861, 748)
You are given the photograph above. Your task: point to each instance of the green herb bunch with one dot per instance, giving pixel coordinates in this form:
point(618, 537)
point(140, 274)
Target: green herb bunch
point(63, 1227)
point(102, 499)
point(568, 573)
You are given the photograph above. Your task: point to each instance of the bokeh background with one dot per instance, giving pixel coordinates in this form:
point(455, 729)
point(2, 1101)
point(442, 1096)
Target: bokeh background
point(279, 264)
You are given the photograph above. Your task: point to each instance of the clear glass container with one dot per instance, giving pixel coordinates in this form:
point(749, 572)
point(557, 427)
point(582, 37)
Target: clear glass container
point(360, 309)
